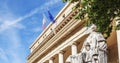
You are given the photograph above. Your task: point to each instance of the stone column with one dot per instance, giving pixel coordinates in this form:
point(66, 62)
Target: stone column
point(61, 57)
point(51, 60)
point(74, 48)
point(73, 57)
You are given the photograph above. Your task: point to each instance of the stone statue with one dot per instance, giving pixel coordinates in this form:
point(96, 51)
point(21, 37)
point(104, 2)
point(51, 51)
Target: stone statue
point(75, 59)
point(94, 49)
point(98, 47)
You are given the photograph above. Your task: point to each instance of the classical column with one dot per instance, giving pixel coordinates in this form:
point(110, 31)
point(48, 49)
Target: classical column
point(61, 57)
point(74, 48)
point(71, 58)
point(51, 60)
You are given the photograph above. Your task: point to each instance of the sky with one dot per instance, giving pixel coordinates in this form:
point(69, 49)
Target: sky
point(21, 24)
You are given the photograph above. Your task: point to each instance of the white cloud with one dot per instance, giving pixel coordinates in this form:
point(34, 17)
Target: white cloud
point(37, 29)
point(3, 55)
point(14, 46)
point(51, 3)
point(8, 24)
point(15, 56)
point(19, 26)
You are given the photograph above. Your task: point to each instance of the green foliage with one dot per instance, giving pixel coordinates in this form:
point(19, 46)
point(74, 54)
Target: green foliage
point(100, 12)
point(118, 26)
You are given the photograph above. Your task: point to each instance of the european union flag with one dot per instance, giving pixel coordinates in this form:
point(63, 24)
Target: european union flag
point(51, 17)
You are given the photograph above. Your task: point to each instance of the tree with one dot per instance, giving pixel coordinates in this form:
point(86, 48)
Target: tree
point(99, 12)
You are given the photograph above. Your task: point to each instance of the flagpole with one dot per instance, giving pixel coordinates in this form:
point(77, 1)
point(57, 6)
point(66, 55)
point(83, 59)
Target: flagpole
point(52, 20)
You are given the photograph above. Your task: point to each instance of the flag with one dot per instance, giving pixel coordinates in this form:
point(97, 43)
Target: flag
point(44, 22)
point(51, 17)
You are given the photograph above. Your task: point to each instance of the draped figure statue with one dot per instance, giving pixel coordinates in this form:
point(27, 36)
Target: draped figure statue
point(94, 50)
point(98, 47)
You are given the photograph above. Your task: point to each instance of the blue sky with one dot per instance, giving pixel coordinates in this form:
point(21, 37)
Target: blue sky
point(20, 24)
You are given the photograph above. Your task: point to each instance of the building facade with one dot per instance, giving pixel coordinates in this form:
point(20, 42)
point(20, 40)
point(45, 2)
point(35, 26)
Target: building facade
point(65, 37)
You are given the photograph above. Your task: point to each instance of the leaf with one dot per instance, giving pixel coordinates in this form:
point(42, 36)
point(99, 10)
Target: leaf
point(100, 12)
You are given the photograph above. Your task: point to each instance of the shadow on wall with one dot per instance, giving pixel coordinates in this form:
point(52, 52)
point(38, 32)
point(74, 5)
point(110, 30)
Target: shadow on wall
point(112, 48)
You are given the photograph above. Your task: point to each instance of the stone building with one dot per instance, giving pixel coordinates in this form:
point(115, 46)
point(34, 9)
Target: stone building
point(65, 37)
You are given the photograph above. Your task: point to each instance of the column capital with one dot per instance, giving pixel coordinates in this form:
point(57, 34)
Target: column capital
point(74, 43)
point(52, 58)
point(62, 52)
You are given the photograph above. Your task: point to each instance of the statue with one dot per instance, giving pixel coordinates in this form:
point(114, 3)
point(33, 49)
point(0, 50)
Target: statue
point(75, 58)
point(94, 49)
point(98, 47)
point(88, 58)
